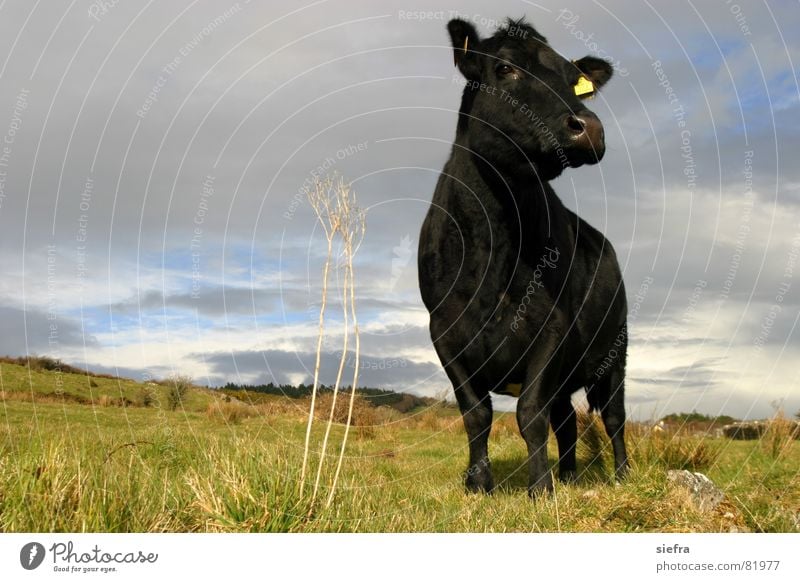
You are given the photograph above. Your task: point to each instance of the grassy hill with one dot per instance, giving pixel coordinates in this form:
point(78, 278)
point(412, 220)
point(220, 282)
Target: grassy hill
point(219, 463)
point(43, 379)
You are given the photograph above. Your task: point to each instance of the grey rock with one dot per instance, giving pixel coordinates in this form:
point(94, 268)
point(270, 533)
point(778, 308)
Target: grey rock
point(705, 494)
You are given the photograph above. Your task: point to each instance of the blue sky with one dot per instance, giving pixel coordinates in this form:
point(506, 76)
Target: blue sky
point(271, 92)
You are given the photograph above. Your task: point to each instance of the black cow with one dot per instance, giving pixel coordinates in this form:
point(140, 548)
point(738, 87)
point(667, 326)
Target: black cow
point(524, 296)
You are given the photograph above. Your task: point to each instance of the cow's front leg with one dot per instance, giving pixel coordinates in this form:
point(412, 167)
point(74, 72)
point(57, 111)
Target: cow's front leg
point(533, 413)
point(478, 423)
point(475, 404)
point(476, 412)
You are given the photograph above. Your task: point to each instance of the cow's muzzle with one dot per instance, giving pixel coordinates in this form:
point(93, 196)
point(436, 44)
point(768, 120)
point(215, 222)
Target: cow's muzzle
point(586, 138)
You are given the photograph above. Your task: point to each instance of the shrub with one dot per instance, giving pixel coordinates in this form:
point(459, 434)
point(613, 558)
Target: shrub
point(148, 398)
point(363, 412)
point(406, 403)
point(45, 363)
point(104, 400)
point(744, 431)
point(177, 389)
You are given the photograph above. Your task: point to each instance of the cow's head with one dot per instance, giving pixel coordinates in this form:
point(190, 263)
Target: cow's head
point(523, 102)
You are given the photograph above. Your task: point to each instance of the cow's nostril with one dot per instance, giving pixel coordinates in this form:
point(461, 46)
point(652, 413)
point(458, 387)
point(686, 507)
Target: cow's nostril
point(576, 124)
point(584, 132)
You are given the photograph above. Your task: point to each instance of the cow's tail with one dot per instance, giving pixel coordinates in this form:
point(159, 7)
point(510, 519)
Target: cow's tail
point(610, 375)
point(593, 396)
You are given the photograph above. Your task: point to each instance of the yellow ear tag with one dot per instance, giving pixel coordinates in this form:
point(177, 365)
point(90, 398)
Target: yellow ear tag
point(455, 54)
point(584, 88)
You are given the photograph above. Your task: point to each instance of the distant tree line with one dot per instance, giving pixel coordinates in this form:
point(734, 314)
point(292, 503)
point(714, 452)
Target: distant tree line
point(697, 417)
point(375, 396)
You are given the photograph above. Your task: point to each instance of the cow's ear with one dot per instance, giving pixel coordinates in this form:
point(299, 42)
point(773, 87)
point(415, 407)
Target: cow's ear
point(465, 39)
point(598, 71)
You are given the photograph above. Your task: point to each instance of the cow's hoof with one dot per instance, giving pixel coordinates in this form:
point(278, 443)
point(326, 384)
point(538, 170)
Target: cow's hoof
point(568, 476)
point(479, 481)
point(476, 485)
point(539, 491)
point(476, 488)
point(542, 487)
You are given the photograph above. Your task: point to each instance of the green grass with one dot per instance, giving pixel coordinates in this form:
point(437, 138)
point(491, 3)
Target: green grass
point(76, 467)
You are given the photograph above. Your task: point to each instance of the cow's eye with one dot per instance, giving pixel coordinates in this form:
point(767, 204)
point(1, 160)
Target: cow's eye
point(504, 70)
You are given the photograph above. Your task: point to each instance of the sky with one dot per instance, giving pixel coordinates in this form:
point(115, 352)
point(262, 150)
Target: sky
point(153, 158)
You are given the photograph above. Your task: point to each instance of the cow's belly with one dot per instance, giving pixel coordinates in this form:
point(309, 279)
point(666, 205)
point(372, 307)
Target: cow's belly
point(497, 345)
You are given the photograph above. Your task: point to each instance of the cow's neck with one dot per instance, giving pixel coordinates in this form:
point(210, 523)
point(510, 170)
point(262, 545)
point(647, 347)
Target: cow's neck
point(517, 200)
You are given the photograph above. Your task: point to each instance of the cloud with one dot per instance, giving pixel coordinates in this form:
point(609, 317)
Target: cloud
point(182, 230)
point(30, 331)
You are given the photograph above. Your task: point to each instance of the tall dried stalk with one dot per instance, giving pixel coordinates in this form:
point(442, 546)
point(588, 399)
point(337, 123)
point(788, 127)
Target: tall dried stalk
point(320, 199)
point(355, 235)
point(344, 208)
point(336, 209)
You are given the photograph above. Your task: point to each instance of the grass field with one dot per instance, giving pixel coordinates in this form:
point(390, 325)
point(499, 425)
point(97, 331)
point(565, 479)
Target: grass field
point(114, 460)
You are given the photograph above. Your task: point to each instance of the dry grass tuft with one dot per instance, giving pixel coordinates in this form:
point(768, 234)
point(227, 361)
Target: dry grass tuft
point(229, 412)
point(592, 442)
point(283, 407)
point(365, 416)
point(505, 426)
point(671, 450)
point(432, 420)
point(779, 435)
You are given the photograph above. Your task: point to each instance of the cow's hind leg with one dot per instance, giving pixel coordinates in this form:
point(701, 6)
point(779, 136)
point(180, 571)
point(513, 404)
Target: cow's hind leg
point(565, 426)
